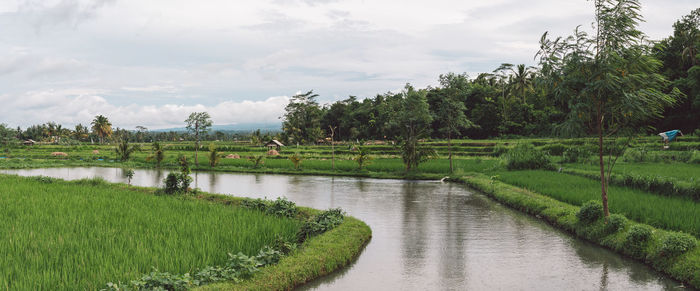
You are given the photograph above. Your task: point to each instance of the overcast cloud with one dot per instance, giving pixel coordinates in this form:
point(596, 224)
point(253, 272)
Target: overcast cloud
point(151, 63)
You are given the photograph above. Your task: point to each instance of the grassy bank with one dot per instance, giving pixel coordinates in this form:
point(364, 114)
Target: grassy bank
point(673, 213)
point(63, 235)
point(658, 249)
point(320, 256)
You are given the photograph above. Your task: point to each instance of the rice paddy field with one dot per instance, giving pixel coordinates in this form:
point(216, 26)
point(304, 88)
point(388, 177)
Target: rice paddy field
point(672, 213)
point(58, 235)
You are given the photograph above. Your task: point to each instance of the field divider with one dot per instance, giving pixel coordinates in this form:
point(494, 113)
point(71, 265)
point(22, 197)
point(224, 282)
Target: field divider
point(664, 186)
point(684, 267)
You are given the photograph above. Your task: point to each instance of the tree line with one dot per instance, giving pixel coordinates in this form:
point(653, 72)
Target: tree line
point(518, 100)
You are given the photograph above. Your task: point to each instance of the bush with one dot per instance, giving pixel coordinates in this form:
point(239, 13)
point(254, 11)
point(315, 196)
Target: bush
point(616, 222)
point(637, 239)
point(320, 223)
point(590, 212)
point(555, 149)
point(282, 207)
point(575, 154)
point(500, 150)
point(527, 157)
point(677, 243)
point(171, 183)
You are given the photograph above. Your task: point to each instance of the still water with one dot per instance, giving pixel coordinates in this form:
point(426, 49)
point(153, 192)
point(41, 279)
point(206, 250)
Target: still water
point(427, 235)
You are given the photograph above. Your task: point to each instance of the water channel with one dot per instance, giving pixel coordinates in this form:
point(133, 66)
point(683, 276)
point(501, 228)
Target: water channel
point(427, 235)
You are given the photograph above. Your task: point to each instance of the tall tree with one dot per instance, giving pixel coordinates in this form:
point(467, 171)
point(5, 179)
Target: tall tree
point(81, 132)
point(102, 127)
point(302, 118)
point(609, 80)
point(413, 123)
point(198, 123)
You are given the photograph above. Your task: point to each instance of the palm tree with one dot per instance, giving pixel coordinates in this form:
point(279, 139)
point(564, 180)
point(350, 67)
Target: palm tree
point(102, 127)
point(690, 51)
point(158, 154)
point(522, 80)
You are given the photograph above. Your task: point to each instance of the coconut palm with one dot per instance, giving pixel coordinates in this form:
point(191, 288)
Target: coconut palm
point(690, 50)
point(102, 127)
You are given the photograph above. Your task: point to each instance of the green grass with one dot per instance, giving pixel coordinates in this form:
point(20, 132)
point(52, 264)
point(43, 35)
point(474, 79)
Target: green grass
point(61, 235)
point(684, 267)
point(680, 171)
point(671, 213)
point(321, 255)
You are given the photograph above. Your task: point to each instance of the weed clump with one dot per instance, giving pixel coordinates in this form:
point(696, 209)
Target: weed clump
point(320, 223)
point(590, 212)
point(616, 222)
point(527, 157)
point(637, 238)
point(677, 243)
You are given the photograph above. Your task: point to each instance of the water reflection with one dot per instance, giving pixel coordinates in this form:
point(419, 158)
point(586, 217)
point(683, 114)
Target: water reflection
point(428, 235)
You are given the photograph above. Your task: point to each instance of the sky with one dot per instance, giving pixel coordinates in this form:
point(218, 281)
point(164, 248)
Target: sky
point(152, 63)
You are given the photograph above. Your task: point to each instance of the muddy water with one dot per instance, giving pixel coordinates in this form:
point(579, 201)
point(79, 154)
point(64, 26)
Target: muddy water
point(428, 235)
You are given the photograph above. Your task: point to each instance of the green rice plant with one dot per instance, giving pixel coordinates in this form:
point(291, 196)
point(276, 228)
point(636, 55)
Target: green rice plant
point(526, 156)
point(672, 213)
point(97, 234)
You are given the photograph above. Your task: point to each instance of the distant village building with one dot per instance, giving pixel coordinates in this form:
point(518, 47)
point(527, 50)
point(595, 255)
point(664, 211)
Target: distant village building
point(274, 144)
point(29, 142)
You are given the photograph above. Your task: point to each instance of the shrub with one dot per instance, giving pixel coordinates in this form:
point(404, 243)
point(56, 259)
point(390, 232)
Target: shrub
point(320, 223)
point(499, 150)
point(616, 222)
point(525, 157)
point(590, 212)
point(296, 160)
point(555, 149)
point(282, 207)
point(637, 239)
point(677, 243)
point(575, 154)
point(171, 183)
point(257, 204)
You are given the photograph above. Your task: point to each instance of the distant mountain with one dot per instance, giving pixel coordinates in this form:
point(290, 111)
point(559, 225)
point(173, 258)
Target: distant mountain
point(246, 127)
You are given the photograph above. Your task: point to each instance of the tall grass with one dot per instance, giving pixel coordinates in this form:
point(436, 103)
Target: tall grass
point(57, 235)
point(673, 213)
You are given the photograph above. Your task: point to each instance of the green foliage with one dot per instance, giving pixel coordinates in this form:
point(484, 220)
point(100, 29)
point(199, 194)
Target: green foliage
point(526, 156)
point(575, 154)
point(157, 153)
point(172, 183)
point(555, 149)
point(124, 151)
point(413, 123)
point(672, 213)
point(302, 118)
point(214, 156)
point(108, 233)
point(499, 150)
point(296, 159)
point(320, 223)
point(102, 127)
point(616, 222)
point(590, 212)
point(677, 243)
point(198, 123)
point(129, 174)
point(257, 160)
point(362, 157)
point(280, 207)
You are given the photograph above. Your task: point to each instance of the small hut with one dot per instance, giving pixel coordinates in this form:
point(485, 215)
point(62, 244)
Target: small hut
point(29, 142)
point(274, 144)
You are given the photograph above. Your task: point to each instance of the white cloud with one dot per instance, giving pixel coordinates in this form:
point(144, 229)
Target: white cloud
point(70, 107)
point(144, 58)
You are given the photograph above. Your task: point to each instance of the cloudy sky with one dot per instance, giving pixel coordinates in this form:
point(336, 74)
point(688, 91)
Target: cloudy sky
point(151, 63)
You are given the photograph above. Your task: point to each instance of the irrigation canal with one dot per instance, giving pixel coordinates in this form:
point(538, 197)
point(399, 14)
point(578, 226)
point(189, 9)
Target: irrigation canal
point(427, 235)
